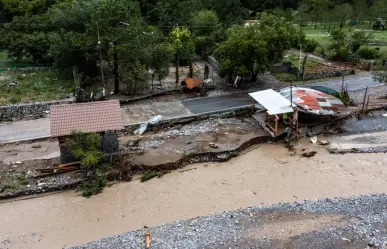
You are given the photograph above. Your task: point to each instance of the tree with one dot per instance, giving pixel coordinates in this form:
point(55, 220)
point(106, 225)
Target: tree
point(205, 26)
point(342, 13)
point(280, 35)
point(253, 49)
point(357, 38)
point(86, 147)
point(243, 52)
point(161, 54)
point(183, 45)
point(380, 70)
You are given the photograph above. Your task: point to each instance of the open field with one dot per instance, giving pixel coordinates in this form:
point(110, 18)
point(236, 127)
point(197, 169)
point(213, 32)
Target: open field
point(32, 86)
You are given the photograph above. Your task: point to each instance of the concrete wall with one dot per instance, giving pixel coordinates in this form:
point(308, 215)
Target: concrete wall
point(32, 111)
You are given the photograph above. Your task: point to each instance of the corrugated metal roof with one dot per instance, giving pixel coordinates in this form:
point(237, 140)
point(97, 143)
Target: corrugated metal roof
point(272, 101)
point(85, 117)
point(315, 102)
point(193, 82)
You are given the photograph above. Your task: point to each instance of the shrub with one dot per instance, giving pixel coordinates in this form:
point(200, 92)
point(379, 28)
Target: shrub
point(354, 58)
point(368, 53)
point(93, 186)
point(310, 45)
point(149, 174)
point(338, 55)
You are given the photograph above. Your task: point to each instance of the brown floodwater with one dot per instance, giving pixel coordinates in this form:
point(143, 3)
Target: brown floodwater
point(265, 175)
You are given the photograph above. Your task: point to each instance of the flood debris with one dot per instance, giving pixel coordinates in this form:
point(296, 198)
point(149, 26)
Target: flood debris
point(213, 145)
point(147, 240)
point(324, 142)
point(143, 127)
point(309, 154)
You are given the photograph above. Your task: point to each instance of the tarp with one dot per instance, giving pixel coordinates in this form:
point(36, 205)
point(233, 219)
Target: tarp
point(272, 101)
point(314, 102)
point(193, 82)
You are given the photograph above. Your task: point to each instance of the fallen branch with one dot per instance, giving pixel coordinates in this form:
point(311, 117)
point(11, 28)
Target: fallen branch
point(187, 170)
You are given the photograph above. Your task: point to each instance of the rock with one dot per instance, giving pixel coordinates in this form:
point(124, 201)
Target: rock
point(345, 239)
point(18, 162)
point(309, 154)
point(36, 146)
point(213, 145)
point(324, 142)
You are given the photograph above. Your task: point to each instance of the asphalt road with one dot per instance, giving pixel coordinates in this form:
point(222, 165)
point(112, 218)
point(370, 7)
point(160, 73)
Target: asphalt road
point(218, 103)
point(353, 83)
point(26, 130)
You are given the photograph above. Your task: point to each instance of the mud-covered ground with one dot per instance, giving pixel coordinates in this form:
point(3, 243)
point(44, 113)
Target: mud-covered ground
point(352, 223)
point(167, 148)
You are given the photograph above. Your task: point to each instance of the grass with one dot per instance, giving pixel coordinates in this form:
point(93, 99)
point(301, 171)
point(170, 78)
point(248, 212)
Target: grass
point(35, 85)
point(12, 181)
point(6, 62)
point(93, 186)
point(286, 76)
point(312, 65)
point(149, 174)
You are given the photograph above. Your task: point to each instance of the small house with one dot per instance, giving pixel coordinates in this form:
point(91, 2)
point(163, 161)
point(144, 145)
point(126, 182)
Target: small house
point(102, 117)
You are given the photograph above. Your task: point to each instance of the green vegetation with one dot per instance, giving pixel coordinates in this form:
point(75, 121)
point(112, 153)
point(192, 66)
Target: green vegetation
point(149, 174)
point(133, 42)
point(93, 186)
point(286, 76)
point(12, 181)
point(35, 85)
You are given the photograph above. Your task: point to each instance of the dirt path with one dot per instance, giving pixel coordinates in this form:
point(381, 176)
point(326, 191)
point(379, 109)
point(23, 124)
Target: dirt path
point(262, 176)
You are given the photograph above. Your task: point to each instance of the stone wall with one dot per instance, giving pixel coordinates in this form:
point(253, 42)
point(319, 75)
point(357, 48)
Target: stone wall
point(28, 111)
point(328, 74)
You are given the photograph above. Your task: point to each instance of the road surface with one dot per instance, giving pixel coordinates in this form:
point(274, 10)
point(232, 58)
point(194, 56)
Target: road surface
point(218, 103)
point(33, 129)
point(25, 130)
point(354, 83)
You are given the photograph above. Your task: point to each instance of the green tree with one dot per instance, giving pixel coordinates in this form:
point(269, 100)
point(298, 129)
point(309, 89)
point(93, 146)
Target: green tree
point(87, 148)
point(161, 54)
point(380, 70)
point(244, 52)
point(357, 38)
point(183, 46)
point(342, 13)
point(205, 25)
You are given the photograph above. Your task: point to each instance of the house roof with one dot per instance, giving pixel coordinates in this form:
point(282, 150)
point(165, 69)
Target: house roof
point(85, 117)
point(192, 82)
point(314, 102)
point(272, 101)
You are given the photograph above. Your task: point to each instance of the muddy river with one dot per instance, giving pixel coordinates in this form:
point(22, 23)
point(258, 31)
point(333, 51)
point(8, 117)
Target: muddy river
point(264, 175)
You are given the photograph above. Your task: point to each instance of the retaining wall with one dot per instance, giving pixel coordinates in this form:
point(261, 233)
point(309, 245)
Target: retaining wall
point(19, 112)
point(328, 74)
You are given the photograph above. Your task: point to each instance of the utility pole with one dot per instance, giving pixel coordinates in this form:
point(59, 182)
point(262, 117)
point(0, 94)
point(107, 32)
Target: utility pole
point(100, 62)
point(299, 61)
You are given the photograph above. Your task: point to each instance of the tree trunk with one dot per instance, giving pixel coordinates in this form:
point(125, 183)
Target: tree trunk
point(115, 72)
point(190, 68)
point(329, 27)
point(253, 76)
point(303, 65)
point(177, 71)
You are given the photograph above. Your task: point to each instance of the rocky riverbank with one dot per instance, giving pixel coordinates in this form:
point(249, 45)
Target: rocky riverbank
point(356, 223)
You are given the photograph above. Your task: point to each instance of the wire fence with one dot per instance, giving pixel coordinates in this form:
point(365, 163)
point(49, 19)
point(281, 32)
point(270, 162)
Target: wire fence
point(19, 64)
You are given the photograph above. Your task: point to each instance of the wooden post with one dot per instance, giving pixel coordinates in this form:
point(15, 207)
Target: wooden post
point(276, 127)
point(368, 100)
point(147, 240)
point(364, 101)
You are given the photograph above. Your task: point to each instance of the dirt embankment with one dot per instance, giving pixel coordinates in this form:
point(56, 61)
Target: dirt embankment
point(204, 141)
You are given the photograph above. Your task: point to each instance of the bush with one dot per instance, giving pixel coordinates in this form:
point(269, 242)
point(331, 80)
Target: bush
point(337, 55)
point(93, 186)
point(368, 53)
point(148, 175)
point(310, 45)
point(354, 58)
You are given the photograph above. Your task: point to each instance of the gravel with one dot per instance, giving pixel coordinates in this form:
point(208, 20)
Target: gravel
point(365, 216)
point(373, 122)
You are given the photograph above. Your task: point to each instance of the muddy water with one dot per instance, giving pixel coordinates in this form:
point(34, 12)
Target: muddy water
point(262, 176)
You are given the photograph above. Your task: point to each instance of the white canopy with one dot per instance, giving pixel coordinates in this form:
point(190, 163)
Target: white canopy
point(272, 101)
